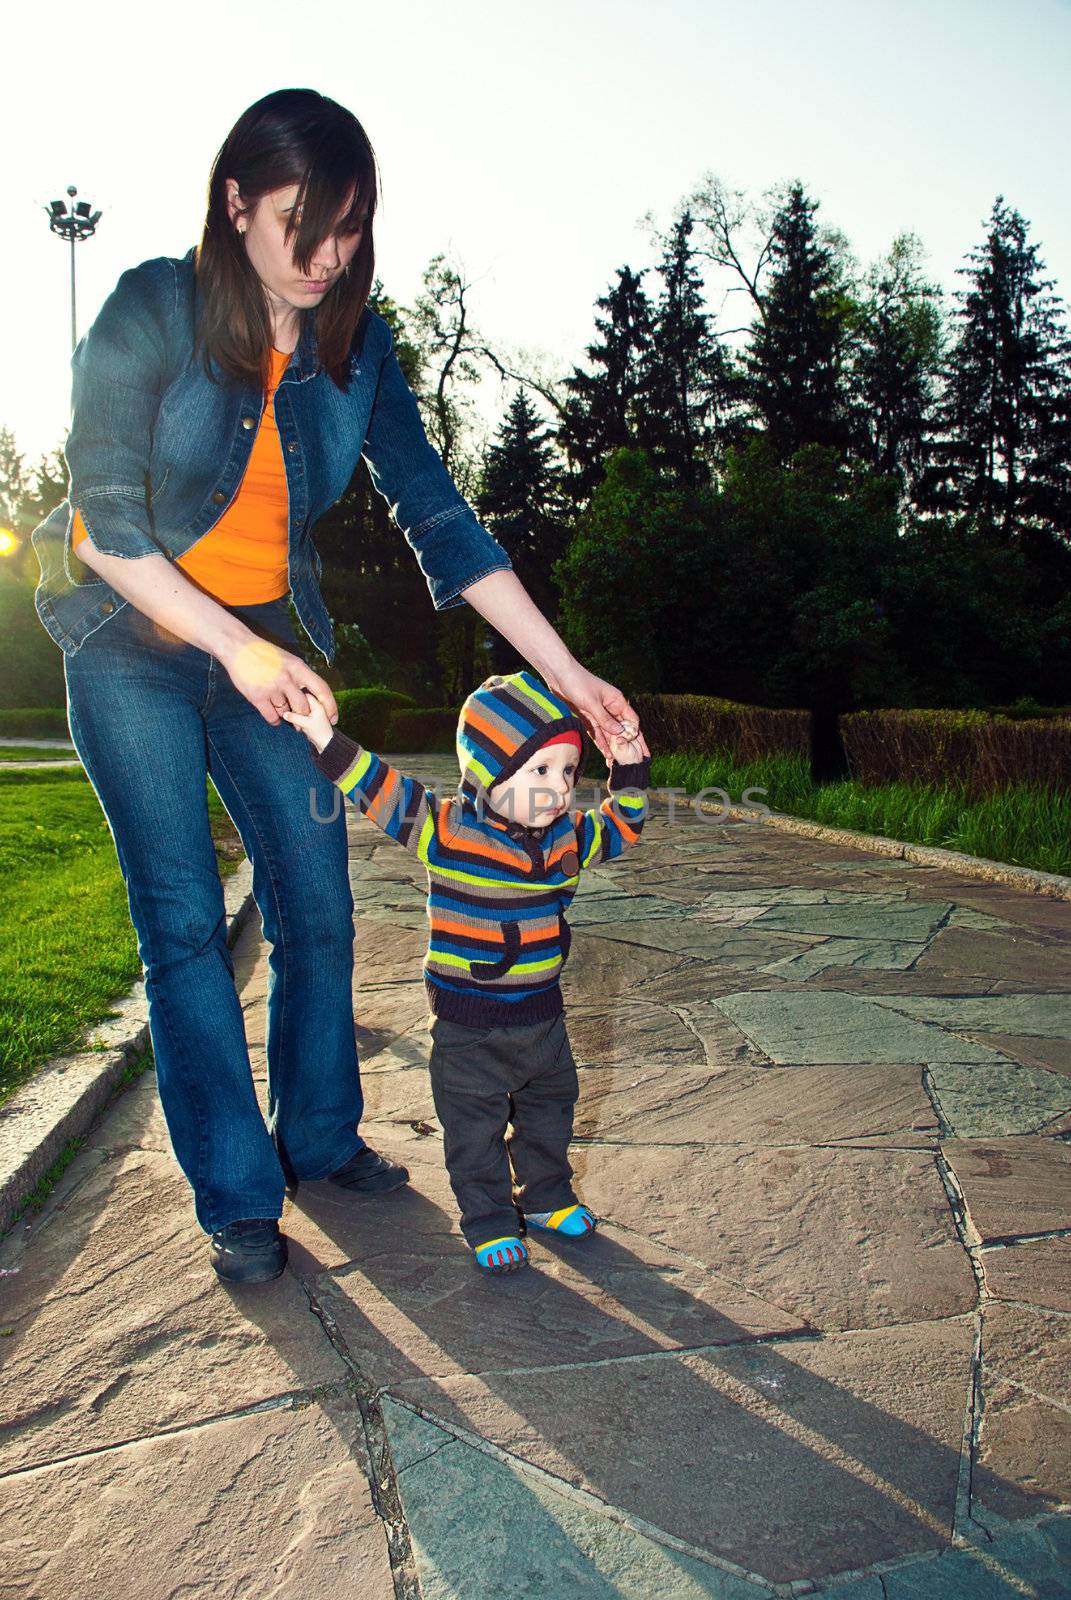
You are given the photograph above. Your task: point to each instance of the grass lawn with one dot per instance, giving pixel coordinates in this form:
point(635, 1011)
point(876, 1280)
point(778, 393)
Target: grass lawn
point(29, 752)
point(67, 947)
point(1024, 826)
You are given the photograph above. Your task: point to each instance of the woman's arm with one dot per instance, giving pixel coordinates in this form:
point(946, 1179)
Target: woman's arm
point(270, 678)
point(503, 600)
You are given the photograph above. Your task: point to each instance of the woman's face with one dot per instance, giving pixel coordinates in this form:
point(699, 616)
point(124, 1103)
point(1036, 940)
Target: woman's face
point(269, 251)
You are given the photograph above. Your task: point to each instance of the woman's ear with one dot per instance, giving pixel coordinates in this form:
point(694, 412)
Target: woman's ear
point(234, 198)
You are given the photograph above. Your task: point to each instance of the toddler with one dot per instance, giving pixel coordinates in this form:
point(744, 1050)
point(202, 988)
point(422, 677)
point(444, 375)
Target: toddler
point(504, 857)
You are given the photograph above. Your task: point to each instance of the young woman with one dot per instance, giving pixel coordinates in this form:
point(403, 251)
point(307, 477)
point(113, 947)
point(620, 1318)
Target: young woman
point(221, 403)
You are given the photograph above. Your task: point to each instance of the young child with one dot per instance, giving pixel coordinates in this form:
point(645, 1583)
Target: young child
point(504, 857)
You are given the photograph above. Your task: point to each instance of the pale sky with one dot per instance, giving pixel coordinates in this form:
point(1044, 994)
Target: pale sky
point(526, 140)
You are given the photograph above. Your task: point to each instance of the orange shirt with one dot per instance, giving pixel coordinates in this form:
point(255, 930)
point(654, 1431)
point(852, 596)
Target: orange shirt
point(242, 561)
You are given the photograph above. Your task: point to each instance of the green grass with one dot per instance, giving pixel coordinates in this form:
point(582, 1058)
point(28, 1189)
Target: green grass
point(1024, 825)
point(67, 947)
point(29, 752)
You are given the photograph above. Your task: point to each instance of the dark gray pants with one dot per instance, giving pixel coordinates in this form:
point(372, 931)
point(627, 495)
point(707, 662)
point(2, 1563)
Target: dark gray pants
point(484, 1080)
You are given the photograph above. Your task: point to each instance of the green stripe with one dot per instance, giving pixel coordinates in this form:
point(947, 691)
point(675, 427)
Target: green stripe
point(482, 772)
point(426, 833)
point(352, 778)
point(493, 883)
point(540, 699)
point(598, 836)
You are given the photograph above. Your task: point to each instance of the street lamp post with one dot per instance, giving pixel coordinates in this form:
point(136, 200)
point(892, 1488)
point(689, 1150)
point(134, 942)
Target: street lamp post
point(74, 225)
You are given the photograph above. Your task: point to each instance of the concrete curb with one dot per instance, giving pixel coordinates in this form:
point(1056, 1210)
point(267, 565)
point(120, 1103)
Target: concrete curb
point(63, 1100)
point(1052, 884)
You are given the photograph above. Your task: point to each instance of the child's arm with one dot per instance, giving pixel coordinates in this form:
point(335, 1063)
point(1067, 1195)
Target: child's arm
point(618, 822)
point(403, 808)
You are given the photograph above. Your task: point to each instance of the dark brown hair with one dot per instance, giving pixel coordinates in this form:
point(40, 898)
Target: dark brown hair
point(290, 136)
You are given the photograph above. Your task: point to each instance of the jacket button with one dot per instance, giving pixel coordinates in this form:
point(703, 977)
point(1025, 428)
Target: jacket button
point(247, 422)
point(106, 608)
point(292, 447)
point(219, 497)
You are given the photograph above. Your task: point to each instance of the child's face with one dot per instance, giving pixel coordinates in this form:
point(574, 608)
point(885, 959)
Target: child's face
point(541, 790)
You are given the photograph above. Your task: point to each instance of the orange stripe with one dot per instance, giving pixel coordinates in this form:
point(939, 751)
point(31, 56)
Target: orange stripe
point(383, 800)
point(483, 852)
point(493, 733)
point(528, 936)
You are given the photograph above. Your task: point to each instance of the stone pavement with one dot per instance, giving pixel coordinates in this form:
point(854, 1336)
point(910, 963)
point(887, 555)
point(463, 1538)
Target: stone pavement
point(820, 1342)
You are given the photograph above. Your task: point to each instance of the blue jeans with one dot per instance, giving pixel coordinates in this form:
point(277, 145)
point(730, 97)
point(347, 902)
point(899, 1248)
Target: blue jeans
point(150, 716)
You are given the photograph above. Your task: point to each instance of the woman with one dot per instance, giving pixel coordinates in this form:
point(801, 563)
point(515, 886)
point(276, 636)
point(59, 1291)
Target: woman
point(221, 403)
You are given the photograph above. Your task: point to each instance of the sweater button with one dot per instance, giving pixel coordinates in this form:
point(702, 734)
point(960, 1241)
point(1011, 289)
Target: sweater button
point(219, 497)
point(247, 422)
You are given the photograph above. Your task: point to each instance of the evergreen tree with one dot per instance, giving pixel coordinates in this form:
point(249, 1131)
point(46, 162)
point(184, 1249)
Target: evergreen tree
point(897, 363)
point(47, 487)
point(795, 364)
point(12, 480)
point(599, 415)
point(520, 500)
point(371, 584)
point(685, 382)
point(1002, 450)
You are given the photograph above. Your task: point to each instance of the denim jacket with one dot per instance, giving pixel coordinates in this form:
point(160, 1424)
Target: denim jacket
point(157, 450)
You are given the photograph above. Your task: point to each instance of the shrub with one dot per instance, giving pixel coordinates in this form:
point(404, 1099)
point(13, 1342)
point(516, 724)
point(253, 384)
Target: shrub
point(430, 729)
point(35, 722)
point(363, 714)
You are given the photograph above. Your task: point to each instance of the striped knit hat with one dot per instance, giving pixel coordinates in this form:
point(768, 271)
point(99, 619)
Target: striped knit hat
point(504, 722)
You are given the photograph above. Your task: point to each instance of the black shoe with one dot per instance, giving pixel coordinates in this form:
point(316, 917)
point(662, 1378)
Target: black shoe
point(250, 1251)
point(369, 1173)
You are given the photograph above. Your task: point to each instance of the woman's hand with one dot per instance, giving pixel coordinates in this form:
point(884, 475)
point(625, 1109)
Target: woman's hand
point(602, 708)
point(276, 682)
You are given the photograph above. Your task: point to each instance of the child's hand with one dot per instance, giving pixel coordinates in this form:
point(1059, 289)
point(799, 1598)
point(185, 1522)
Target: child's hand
point(626, 752)
point(316, 727)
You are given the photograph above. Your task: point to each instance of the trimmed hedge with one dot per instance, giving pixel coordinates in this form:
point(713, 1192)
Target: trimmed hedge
point(986, 751)
point(679, 722)
point(35, 722)
point(363, 714)
point(431, 729)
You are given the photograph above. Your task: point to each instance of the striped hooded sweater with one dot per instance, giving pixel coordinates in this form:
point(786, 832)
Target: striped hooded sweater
point(497, 890)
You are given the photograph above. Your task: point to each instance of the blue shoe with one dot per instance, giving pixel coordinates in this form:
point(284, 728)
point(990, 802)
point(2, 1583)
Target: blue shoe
point(502, 1255)
point(575, 1222)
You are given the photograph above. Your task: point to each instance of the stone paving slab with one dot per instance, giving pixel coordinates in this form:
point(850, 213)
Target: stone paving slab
point(1013, 1186)
point(1038, 1272)
point(827, 1027)
point(860, 1434)
point(276, 1505)
point(1023, 1565)
point(1052, 1055)
point(636, 1030)
point(656, 1104)
point(1014, 963)
point(536, 1537)
point(1023, 1461)
point(117, 1327)
point(846, 1237)
point(1001, 1098)
point(428, 1311)
point(1024, 1345)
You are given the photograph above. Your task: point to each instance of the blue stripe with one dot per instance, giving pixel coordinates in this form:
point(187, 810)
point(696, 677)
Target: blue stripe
point(509, 998)
point(494, 913)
